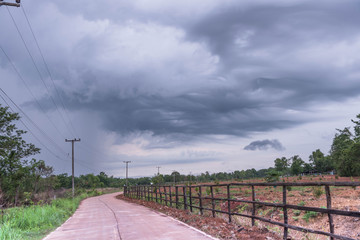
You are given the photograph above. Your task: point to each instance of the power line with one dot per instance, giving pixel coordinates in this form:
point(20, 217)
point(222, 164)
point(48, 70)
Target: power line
point(46, 86)
point(38, 71)
point(29, 89)
point(53, 82)
point(31, 121)
point(30, 130)
point(47, 68)
point(35, 136)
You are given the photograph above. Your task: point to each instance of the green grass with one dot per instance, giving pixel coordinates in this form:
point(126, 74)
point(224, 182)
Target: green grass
point(34, 222)
point(310, 214)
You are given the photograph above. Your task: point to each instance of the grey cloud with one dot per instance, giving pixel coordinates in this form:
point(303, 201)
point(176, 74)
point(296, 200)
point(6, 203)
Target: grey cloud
point(184, 117)
point(265, 145)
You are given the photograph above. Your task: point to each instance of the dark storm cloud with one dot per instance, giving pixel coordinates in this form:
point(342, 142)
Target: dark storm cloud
point(266, 58)
point(265, 145)
point(222, 111)
point(275, 27)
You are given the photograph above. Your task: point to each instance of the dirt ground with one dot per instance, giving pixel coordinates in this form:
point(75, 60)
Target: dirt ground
point(343, 198)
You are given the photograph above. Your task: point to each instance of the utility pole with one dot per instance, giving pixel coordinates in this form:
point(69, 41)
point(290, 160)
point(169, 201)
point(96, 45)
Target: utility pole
point(17, 4)
point(126, 171)
point(158, 170)
point(72, 144)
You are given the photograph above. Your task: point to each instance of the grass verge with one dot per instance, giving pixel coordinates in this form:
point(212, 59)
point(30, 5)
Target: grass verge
point(34, 222)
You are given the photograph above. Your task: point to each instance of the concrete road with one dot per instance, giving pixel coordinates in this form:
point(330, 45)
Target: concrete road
point(105, 217)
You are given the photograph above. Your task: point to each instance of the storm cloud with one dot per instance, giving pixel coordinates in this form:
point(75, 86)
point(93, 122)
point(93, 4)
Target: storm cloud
point(160, 77)
point(265, 145)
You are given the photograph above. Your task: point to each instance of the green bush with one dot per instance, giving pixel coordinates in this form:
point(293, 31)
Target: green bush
point(309, 215)
point(317, 192)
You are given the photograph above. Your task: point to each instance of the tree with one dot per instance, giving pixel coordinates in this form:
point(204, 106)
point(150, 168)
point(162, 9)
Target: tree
point(320, 162)
point(357, 128)
point(345, 152)
point(157, 179)
point(296, 165)
point(175, 175)
point(282, 165)
point(14, 151)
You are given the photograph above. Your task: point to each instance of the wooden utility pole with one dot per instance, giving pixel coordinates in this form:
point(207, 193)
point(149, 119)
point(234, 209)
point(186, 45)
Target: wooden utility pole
point(127, 171)
point(158, 170)
point(17, 4)
point(72, 144)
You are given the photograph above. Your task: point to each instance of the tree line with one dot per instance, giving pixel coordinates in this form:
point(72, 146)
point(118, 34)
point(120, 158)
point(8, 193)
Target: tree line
point(343, 159)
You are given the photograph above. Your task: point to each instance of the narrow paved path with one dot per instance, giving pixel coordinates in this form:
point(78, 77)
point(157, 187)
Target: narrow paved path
point(105, 217)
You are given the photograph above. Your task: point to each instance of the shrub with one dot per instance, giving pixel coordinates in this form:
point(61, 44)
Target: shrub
point(309, 215)
point(317, 192)
point(302, 203)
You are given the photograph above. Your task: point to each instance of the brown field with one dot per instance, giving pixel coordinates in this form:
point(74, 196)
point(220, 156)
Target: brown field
point(343, 198)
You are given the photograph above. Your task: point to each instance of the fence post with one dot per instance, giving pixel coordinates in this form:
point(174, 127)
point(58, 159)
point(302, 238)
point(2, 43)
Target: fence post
point(285, 213)
point(200, 201)
point(166, 201)
point(228, 198)
point(160, 193)
point(177, 196)
point(254, 205)
point(184, 197)
point(212, 201)
point(148, 194)
point(156, 194)
point(328, 206)
point(170, 196)
point(190, 199)
point(152, 193)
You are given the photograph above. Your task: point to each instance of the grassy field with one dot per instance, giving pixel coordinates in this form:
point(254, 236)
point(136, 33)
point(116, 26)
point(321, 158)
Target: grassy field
point(34, 222)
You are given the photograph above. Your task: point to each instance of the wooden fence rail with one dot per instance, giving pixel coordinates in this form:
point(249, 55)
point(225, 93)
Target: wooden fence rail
point(184, 197)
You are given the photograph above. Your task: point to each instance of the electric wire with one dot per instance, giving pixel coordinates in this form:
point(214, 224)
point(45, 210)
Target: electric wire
point(30, 91)
point(22, 79)
point(80, 162)
point(47, 89)
point(47, 69)
point(38, 71)
point(12, 110)
point(33, 123)
point(50, 75)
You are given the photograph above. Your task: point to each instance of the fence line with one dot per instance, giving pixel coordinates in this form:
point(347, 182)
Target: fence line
point(188, 200)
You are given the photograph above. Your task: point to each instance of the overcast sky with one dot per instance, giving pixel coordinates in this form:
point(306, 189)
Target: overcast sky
point(192, 86)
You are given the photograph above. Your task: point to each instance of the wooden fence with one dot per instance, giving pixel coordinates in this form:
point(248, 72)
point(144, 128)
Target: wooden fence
point(192, 196)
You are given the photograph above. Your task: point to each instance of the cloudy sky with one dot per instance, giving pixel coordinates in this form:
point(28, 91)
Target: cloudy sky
point(192, 86)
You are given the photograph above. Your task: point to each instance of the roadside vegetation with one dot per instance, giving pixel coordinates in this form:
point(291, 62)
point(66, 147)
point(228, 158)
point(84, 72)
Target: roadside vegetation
point(34, 201)
point(35, 221)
